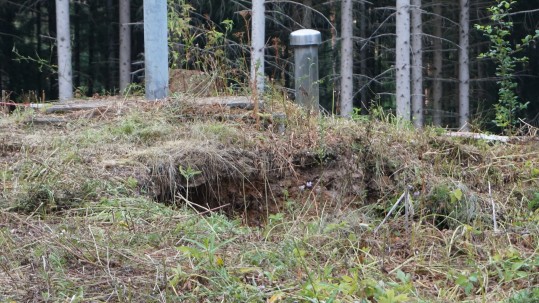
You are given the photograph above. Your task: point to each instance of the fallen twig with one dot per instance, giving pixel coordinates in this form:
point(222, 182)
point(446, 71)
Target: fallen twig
point(493, 209)
point(404, 194)
point(479, 136)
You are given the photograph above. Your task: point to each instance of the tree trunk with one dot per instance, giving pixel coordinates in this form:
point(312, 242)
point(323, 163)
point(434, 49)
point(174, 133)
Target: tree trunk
point(402, 61)
point(92, 46)
point(417, 65)
point(363, 59)
point(125, 45)
point(334, 83)
point(111, 66)
point(437, 88)
point(38, 44)
point(63, 40)
point(77, 43)
point(347, 59)
point(307, 20)
point(464, 68)
point(51, 24)
point(1, 81)
point(257, 45)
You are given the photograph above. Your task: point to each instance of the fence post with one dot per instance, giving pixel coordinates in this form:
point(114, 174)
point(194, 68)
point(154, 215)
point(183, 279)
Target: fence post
point(155, 49)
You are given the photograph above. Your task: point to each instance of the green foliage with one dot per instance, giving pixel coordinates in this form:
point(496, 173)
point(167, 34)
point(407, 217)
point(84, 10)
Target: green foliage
point(510, 266)
point(357, 116)
point(205, 251)
point(188, 173)
point(134, 89)
point(42, 64)
point(137, 129)
point(467, 281)
point(203, 47)
point(533, 203)
point(451, 205)
point(525, 296)
point(504, 55)
point(179, 17)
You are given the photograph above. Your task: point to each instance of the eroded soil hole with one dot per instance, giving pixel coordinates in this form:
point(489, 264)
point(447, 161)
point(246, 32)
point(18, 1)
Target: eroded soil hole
point(249, 184)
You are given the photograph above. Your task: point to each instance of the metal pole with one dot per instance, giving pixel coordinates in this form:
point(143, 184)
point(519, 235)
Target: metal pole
point(155, 49)
point(305, 43)
point(258, 44)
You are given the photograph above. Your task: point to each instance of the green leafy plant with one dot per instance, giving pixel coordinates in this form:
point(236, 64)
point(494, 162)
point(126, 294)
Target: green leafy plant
point(179, 17)
point(134, 89)
point(533, 204)
point(390, 297)
point(205, 251)
point(525, 296)
point(203, 47)
point(504, 55)
point(41, 63)
point(511, 266)
point(188, 173)
point(467, 281)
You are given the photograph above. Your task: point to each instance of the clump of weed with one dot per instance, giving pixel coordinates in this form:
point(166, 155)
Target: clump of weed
point(525, 296)
point(451, 206)
point(218, 132)
point(48, 196)
point(533, 203)
point(40, 198)
point(140, 130)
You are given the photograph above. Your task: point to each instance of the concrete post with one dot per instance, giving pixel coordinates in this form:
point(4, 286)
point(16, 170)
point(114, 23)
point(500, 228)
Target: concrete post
point(305, 43)
point(155, 49)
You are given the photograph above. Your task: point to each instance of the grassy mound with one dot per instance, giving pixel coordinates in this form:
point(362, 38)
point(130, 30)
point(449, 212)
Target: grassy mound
point(146, 202)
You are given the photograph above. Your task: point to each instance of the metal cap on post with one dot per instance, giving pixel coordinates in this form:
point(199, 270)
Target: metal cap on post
point(305, 43)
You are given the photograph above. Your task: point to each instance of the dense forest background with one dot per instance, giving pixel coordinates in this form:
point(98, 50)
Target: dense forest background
point(28, 58)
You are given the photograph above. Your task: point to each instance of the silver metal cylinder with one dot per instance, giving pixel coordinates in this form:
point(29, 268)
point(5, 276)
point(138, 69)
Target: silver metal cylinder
point(305, 43)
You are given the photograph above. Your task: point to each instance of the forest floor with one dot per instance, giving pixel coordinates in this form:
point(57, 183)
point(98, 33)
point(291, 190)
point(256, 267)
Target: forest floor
point(181, 202)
